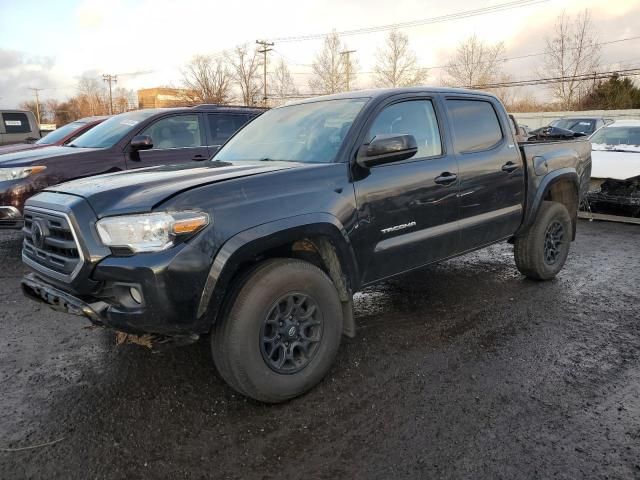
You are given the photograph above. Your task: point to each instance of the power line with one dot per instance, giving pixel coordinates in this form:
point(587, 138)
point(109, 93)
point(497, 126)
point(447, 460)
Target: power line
point(505, 59)
point(414, 23)
point(546, 81)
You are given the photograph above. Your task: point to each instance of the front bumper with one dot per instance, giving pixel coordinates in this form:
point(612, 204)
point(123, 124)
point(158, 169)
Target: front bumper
point(37, 290)
point(169, 283)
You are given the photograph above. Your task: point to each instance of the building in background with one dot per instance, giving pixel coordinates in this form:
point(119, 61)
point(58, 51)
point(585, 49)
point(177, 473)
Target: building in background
point(161, 97)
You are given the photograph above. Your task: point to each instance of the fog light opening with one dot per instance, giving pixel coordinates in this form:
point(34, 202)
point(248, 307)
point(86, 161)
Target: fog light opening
point(136, 295)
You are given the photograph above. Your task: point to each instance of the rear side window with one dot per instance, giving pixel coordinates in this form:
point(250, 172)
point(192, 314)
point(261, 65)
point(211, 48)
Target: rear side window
point(178, 131)
point(222, 126)
point(475, 125)
point(16, 123)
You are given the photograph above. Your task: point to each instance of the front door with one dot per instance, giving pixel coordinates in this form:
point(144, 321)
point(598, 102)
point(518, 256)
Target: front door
point(491, 172)
point(407, 210)
point(176, 139)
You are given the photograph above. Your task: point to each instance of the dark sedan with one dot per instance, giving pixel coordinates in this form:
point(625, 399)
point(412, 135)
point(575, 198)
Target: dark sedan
point(127, 141)
point(60, 136)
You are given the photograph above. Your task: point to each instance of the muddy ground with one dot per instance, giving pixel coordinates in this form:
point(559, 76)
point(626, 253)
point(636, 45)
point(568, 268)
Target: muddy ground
point(464, 370)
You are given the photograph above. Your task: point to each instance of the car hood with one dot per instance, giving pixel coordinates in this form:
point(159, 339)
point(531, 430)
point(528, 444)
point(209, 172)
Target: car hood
point(18, 147)
point(616, 165)
point(138, 191)
point(32, 157)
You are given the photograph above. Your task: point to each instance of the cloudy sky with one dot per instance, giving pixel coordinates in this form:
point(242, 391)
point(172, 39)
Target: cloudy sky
point(50, 45)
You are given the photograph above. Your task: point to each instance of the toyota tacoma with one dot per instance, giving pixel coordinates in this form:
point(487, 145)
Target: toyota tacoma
point(262, 248)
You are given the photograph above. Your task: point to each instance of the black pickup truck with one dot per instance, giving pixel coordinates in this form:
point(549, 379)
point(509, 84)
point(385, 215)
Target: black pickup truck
point(264, 247)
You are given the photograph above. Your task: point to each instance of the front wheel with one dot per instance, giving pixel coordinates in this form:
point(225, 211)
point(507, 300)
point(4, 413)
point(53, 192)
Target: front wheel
point(541, 252)
point(282, 332)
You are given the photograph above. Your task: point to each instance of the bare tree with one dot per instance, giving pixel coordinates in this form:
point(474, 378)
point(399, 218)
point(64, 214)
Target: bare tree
point(396, 64)
point(206, 79)
point(245, 63)
point(573, 50)
point(281, 84)
point(332, 71)
point(92, 96)
point(475, 63)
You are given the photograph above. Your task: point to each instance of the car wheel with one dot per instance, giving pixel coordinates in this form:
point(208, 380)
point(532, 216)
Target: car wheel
point(541, 252)
point(281, 333)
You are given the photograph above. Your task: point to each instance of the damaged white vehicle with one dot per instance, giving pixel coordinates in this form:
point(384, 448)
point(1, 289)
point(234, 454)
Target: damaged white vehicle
point(615, 171)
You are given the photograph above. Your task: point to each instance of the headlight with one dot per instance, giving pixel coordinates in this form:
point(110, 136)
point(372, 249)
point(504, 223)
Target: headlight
point(18, 172)
point(151, 232)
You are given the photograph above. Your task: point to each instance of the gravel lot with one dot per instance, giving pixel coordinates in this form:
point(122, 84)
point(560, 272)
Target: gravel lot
point(463, 370)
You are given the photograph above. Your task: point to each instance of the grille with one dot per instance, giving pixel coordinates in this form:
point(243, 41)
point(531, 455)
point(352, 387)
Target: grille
point(49, 243)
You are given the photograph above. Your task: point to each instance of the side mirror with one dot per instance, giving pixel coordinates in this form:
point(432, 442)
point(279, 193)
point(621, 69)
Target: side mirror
point(141, 142)
point(387, 148)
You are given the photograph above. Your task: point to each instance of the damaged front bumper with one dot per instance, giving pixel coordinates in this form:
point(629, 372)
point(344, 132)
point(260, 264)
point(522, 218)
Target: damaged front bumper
point(62, 301)
point(617, 193)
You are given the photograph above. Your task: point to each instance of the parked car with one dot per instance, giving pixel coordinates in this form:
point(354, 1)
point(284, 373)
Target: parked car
point(123, 142)
point(615, 179)
point(264, 246)
point(60, 136)
point(17, 126)
point(585, 125)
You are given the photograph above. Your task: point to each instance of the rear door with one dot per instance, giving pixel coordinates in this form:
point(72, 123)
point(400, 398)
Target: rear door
point(177, 138)
point(491, 172)
point(407, 210)
point(220, 127)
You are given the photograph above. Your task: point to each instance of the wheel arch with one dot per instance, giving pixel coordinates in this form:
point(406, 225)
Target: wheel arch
point(318, 238)
point(562, 186)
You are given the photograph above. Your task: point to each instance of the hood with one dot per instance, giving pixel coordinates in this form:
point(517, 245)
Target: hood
point(32, 157)
point(18, 147)
point(616, 165)
point(137, 191)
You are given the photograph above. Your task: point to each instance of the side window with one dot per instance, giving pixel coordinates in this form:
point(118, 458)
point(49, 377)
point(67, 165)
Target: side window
point(222, 126)
point(475, 125)
point(16, 123)
point(413, 117)
point(180, 131)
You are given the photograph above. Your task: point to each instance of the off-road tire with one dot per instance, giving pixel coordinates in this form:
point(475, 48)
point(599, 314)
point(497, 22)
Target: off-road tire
point(237, 337)
point(530, 249)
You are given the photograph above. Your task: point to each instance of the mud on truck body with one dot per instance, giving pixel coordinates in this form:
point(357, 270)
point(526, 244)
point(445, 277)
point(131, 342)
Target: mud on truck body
point(263, 248)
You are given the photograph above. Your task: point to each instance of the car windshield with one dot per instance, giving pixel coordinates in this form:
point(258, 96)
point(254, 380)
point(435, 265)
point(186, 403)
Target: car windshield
point(617, 138)
point(109, 132)
point(306, 132)
point(59, 133)
point(578, 125)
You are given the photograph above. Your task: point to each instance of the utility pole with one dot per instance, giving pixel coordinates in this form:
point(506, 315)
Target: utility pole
point(265, 49)
point(36, 90)
point(110, 79)
point(347, 67)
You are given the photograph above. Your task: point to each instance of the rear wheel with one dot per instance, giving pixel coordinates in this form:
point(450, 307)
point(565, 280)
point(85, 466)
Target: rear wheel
point(282, 332)
point(542, 251)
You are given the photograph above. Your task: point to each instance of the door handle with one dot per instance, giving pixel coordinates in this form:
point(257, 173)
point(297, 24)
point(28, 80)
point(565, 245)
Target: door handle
point(198, 157)
point(446, 178)
point(510, 167)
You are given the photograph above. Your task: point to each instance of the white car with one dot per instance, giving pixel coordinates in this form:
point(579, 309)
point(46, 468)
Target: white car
point(615, 171)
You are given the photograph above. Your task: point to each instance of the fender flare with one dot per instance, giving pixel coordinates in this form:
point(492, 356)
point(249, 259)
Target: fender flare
point(544, 186)
point(249, 243)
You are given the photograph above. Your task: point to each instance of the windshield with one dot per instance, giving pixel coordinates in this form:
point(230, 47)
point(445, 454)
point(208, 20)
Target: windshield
point(306, 132)
point(109, 132)
point(578, 125)
point(59, 133)
point(618, 138)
